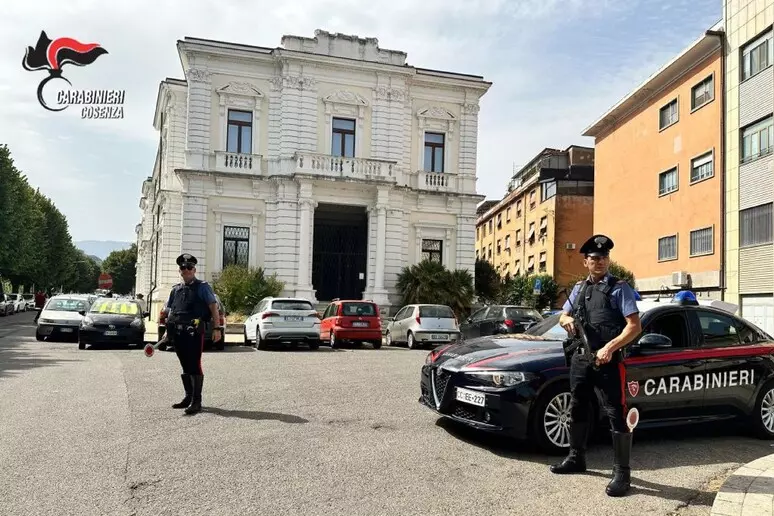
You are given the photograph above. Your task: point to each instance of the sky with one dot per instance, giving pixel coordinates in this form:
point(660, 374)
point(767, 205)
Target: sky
point(556, 66)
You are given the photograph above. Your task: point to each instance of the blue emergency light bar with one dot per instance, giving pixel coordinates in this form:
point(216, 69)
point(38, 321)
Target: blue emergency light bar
point(685, 297)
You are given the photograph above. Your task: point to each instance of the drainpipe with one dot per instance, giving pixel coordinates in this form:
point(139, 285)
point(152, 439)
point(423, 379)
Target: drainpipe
point(721, 35)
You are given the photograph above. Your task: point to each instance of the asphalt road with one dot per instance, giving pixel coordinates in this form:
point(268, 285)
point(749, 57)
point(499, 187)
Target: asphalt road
point(296, 432)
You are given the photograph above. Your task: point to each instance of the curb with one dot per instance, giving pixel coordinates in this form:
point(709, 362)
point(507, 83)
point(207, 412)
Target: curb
point(750, 490)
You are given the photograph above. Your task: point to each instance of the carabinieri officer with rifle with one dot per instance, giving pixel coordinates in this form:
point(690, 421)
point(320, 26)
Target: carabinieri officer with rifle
point(191, 305)
point(606, 310)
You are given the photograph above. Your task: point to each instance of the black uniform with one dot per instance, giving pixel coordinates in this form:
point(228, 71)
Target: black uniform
point(602, 321)
point(188, 314)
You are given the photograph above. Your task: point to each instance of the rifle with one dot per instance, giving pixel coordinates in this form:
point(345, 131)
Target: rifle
point(571, 344)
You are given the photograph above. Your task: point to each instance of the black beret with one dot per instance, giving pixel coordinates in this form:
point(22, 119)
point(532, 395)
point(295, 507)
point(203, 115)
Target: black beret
point(598, 245)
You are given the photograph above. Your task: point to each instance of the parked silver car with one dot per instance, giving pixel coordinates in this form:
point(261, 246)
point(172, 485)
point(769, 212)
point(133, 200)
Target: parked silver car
point(421, 325)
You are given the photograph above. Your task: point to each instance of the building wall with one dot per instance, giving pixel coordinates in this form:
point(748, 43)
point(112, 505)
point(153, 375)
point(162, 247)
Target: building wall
point(744, 20)
point(628, 206)
point(574, 225)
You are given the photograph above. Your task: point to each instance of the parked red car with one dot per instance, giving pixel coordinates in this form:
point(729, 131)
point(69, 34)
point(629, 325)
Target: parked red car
point(351, 320)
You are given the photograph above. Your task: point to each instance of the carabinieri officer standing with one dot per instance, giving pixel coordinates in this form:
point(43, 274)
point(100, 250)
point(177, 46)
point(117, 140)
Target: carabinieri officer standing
point(191, 305)
point(609, 310)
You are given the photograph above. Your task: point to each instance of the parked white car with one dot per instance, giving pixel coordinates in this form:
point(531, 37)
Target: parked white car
point(19, 304)
point(283, 320)
point(421, 325)
point(6, 305)
point(60, 317)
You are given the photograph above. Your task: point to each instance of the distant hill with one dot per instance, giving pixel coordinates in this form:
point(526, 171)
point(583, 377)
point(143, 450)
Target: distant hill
point(97, 259)
point(101, 248)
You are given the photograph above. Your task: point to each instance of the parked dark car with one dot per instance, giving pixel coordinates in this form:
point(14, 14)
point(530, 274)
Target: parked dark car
point(499, 320)
point(692, 363)
point(112, 321)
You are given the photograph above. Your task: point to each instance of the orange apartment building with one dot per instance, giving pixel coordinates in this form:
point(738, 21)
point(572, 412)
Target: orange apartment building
point(538, 227)
point(659, 175)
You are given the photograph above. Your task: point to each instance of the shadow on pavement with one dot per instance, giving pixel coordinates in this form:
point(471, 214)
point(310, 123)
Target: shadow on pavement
point(692, 445)
point(255, 415)
point(15, 360)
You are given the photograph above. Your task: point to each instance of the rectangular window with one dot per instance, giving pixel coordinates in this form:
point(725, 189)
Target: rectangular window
point(434, 147)
point(703, 92)
point(499, 248)
point(758, 139)
point(667, 115)
point(236, 246)
point(667, 181)
point(532, 199)
point(667, 248)
point(755, 225)
point(548, 190)
point(702, 167)
point(518, 237)
point(702, 242)
point(343, 141)
point(239, 135)
point(432, 250)
point(507, 241)
point(508, 214)
point(757, 56)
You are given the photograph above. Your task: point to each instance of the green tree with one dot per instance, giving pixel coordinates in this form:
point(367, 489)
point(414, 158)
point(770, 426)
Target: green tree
point(122, 266)
point(488, 281)
point(431, 282)
point(87, 272)
point(520, 291)
point(241, 288)
point(621, 272)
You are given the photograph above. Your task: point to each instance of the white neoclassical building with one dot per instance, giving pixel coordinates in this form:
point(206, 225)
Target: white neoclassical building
point(328, 161)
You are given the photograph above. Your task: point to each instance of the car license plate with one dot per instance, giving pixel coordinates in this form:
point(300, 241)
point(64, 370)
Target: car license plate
point(440, 336)
point(472, 397)
point(360, 324)
point(294, 318)
point(66, 330)
point(111, 333)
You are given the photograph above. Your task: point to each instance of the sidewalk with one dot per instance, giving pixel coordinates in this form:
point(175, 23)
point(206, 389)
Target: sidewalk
point(749, 491)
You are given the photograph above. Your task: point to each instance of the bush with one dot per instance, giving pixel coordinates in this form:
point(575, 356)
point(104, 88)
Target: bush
point(431, 282)
point(487, 281)
point(519, 290)
point(617, 270)
point(241, 288)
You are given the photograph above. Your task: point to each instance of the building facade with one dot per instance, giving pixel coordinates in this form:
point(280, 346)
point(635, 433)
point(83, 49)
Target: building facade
point(328, 161)
point(749, 189)
point(659, 174)
point(538, 227)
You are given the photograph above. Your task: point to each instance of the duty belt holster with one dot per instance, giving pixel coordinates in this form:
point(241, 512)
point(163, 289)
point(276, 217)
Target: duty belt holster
point(190, 328)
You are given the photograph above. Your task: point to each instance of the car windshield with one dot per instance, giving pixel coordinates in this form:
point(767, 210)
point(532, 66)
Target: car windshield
point(548, 328)
point(66, 305)
point(27, 296)
point(13, 297)
point(115, 306)
point(356, 309)
point(521, 313)
point(290, 304)
point(438, 311)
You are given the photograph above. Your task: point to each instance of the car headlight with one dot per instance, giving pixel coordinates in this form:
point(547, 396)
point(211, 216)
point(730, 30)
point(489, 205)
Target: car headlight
point(501, 378)
point(137, 323)
point(87, 321)
point(46, 321)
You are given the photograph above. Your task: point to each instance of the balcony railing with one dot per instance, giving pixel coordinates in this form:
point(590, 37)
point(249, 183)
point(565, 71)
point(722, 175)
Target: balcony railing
point(355, 168)
point(238, 162)
point(436, 181)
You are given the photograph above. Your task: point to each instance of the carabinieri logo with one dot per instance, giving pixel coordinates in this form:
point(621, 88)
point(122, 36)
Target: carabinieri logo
point(52, 56)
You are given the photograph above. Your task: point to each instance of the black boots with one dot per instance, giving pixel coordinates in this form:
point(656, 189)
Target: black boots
point(188, 386)
point(575, 462)
point(622, 448)
point(196, 403)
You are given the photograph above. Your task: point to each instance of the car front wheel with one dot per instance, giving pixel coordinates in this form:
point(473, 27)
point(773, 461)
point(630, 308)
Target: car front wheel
point(551, 419)
point(763, 415)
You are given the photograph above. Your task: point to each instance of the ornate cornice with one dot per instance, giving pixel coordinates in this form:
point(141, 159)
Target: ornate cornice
point(198, 75)
point(240, 88)
point(470, 109)
point(436, 112)
point(390, 93)
point(346, 97)
point(298, 82)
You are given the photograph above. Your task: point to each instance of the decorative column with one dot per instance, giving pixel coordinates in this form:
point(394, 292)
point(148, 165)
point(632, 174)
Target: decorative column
point(197, 141)
point(304, 286)
point(377, 293)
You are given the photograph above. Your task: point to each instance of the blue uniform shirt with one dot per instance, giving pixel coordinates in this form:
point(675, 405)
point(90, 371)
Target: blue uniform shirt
point(205, 293)
point(621, 297)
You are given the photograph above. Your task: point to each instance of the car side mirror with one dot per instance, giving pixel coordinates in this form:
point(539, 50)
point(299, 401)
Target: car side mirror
point(469, 320)
point(145, 315)
point(391, 319)
point(654, 342)
point(82, 313)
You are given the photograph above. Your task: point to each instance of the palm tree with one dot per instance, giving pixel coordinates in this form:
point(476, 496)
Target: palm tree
point(431, 282)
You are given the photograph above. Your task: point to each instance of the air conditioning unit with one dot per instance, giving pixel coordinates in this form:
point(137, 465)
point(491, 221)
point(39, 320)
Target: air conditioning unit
point(569, 246)
point(680, 278)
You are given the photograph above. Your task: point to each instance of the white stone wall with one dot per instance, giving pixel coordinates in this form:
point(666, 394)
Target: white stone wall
point(194, 230)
